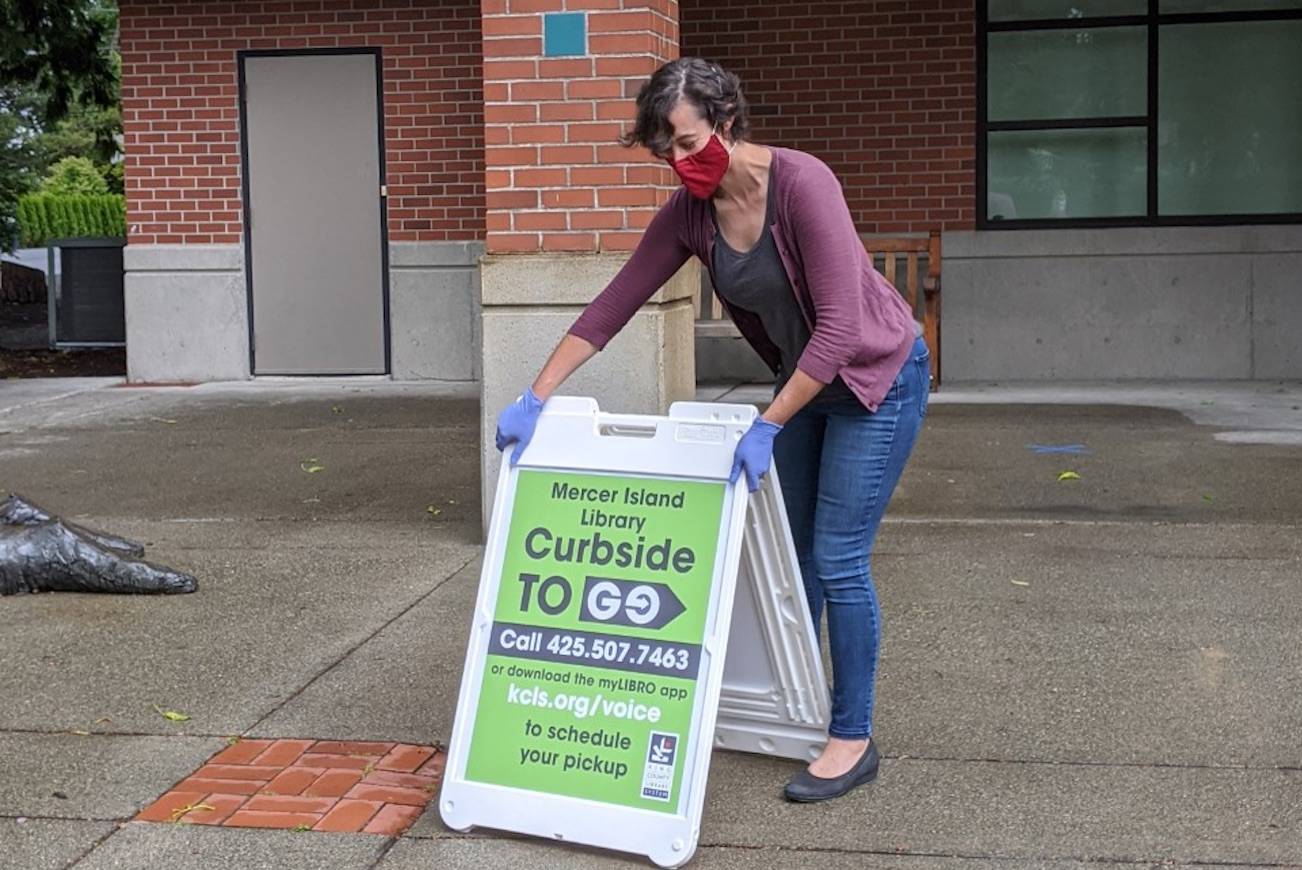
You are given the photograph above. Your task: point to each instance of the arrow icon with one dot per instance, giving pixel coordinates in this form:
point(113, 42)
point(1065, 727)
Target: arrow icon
point(634, 603)
point(643, 605)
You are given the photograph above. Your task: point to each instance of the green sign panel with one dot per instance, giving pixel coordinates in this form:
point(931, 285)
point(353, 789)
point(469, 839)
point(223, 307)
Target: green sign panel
point(595, 650)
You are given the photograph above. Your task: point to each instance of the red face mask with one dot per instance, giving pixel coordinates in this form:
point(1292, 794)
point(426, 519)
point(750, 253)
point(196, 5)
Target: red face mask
point(701, 172)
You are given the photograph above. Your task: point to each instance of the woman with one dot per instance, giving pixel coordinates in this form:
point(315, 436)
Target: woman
point(772, 226)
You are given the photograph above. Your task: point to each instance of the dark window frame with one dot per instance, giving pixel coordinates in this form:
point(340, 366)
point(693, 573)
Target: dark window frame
point(1153, 20)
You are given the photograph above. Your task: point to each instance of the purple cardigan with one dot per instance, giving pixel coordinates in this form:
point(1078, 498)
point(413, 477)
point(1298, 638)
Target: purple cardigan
point(860, 326)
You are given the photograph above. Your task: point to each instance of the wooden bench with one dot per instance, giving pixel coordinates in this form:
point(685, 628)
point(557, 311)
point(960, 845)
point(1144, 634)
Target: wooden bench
point(886, 253)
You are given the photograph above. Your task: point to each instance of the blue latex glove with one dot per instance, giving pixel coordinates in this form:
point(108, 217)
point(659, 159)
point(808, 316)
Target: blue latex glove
point(754, 452)
point(517, 422)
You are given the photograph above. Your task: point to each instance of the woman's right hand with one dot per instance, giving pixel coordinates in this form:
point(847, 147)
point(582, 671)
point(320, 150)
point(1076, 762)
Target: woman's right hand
point(754, 453)
point(516, 423)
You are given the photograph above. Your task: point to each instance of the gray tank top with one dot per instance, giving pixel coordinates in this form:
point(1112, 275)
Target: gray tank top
point(756, 281)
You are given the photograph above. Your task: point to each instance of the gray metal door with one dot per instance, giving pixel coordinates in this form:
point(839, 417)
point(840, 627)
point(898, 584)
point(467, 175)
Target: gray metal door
point(315, 235)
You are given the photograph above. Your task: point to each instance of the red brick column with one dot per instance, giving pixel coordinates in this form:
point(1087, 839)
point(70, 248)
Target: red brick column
point(556, 178)
point(565, 203)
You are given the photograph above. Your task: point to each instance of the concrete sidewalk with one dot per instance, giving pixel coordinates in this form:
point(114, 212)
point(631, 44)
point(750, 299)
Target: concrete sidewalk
point(1106, 670)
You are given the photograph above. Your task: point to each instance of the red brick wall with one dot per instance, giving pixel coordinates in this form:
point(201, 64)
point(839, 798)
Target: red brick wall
point(180, 106)
point(557, 177)
point(885, 92)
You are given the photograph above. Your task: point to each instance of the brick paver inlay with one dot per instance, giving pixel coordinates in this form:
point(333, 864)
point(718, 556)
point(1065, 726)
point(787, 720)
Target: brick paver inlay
point(318, 785)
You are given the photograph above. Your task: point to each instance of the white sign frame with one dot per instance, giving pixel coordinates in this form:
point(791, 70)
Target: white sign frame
point(696, 442)
point(775, 698)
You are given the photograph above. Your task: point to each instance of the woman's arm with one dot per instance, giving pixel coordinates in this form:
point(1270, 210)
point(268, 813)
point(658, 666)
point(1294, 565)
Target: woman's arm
point(659, 254)
point(565, 360)
point(796, 393)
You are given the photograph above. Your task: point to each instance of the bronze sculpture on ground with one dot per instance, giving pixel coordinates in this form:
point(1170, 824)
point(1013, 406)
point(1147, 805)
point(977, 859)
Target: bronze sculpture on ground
point(42, 553)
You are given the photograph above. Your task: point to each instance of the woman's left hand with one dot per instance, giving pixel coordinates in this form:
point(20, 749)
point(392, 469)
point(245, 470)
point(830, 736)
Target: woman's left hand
point(754, 453)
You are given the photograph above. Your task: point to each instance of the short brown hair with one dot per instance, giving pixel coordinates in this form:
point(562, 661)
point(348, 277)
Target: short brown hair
point(703, 83)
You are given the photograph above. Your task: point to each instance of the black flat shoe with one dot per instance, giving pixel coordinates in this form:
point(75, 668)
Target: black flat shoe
point(807, 788)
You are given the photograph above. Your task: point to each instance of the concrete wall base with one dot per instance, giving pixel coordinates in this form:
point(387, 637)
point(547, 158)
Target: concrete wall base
point(434, 310)
point(531, 300)
point(1162, 302)
point(187, 312)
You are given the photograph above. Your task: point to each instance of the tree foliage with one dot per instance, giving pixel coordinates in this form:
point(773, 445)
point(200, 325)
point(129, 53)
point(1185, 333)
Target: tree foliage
point(59, 95)
point(62, 48)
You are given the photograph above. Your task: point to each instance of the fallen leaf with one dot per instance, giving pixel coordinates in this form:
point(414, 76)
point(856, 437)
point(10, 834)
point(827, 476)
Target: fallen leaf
point(171, 715)
point(335, 409)
point(1068, 475)
point(189, 808)
point(433, 511)
point(1207, 496)
point(1020, 583)
point(232, 740)
point(103, 719)
point(298, 829)
point(311, 466)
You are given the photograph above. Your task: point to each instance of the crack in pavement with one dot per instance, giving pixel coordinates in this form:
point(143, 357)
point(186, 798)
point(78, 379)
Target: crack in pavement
point(384, 852)
point(342, 658)
point(93, 846)
point(64, 732)
point(949, 759)
point(13, 817)
point(1153, 765)
point(982, 856)
point(1165, 861)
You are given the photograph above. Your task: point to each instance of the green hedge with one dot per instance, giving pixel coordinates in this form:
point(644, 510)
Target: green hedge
point(45, 216)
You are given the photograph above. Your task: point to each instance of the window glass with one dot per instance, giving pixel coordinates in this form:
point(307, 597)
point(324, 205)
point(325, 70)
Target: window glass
point(1230, 118)
point(1097, 172)
point(1226, 5)
point(1022, 10)
point(1057, 74)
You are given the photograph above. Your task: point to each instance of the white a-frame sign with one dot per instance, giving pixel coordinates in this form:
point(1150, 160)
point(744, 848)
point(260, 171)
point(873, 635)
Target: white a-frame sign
point(608, 652)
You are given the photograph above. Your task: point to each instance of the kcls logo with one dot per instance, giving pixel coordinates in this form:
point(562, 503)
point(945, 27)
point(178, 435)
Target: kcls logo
point(663, 749)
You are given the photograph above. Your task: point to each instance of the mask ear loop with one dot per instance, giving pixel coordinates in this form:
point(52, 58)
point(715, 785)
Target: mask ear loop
point(723, 140)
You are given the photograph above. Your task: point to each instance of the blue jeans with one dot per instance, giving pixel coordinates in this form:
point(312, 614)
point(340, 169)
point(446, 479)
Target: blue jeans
point(838, 464)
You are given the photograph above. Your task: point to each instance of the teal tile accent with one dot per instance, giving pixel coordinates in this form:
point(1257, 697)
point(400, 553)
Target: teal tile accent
point(565, 33)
